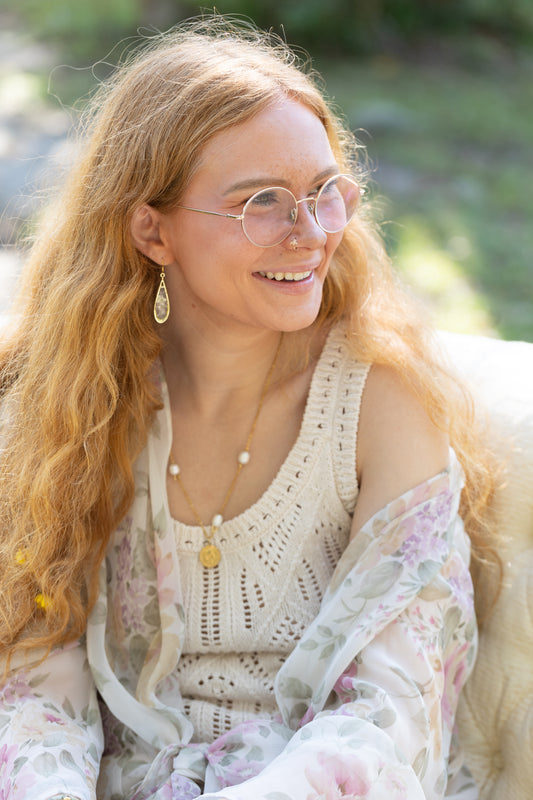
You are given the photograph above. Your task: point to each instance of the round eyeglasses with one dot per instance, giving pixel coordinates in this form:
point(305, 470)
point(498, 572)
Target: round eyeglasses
point(270, 215)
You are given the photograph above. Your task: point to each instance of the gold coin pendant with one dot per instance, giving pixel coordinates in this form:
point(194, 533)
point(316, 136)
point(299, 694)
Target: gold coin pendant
point(209, 555)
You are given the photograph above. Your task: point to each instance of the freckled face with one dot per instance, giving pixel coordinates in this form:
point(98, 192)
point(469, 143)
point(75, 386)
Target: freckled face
point(215, 271)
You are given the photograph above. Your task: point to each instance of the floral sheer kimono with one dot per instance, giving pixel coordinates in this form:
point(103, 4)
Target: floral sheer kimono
point(366, 699)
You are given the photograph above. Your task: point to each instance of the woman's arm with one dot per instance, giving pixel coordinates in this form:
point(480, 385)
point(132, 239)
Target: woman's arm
point(51, 736)
point(398, 447)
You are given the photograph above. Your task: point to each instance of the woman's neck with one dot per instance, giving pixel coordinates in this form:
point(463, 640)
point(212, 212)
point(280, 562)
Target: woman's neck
point(219, 371)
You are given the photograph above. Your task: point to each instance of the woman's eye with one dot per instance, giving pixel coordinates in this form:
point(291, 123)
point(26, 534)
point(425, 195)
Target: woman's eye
point(329, 186)
point(265, 199)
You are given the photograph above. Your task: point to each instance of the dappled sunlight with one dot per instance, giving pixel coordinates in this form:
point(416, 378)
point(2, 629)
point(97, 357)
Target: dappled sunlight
point(18, 90)
point(10, 263)
point(439, 278)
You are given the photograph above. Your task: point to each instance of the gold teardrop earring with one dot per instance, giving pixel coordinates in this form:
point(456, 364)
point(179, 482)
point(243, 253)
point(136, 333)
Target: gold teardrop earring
point(162, 303)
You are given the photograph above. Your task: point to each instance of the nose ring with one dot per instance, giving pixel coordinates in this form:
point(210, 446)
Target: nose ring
point(293, 244)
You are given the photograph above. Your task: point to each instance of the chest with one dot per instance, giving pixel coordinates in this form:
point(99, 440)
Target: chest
point(211, 480)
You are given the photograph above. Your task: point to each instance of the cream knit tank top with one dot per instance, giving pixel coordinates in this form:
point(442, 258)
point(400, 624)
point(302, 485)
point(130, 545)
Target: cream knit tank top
point(245, 616)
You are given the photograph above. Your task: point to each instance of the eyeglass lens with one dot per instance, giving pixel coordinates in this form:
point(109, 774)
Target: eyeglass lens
point(270, 215)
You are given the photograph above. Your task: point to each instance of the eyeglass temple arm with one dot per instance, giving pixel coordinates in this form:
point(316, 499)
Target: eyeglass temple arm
point(214, 213)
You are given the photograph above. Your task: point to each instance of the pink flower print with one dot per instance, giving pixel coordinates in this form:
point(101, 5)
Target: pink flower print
point(54, 719)
point(424, 543)
point(455, 675)
point(238, 754)
point(9, 782)
point(307, 717)
point(394, 785)
point(124, 561)
point(345, 687)
point(443, 505)
point(7, 760)
point(334, 777)
point(396, 535)
point(134, 603)
point(17, 687)
point(463, 590)
point(183, 788)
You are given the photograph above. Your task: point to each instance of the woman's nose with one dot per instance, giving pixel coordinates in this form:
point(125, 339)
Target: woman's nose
point(307, 230)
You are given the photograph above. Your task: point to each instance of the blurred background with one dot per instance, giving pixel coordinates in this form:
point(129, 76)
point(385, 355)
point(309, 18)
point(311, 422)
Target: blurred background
point(439, 91)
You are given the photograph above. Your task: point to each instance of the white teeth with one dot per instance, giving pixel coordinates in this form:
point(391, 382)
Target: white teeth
point(286, 276)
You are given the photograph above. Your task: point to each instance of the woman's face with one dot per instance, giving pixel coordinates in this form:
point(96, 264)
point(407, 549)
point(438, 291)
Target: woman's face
point(215, 273)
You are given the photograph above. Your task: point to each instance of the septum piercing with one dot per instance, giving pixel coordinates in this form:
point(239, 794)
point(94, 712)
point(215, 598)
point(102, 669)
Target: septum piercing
point(293, 244)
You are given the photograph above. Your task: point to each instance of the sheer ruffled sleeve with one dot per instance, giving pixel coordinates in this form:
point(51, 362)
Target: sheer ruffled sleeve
point(51, 736)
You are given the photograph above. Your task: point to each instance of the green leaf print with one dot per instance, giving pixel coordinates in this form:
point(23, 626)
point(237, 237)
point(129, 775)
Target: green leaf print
point(93, 752)
point(379, 580)
point(38, 679)
point(452, 619)
point(68, 708)
point(160, 522)
point(151, 613)
point(45, 764)
point(255, 754)
point(427, 571)
point(294, 687)
point(383, 718)
point(327, 651)
point(18, 764)
point(67, 761)
point(98, 614)
point(99, 678)
point(421, 761)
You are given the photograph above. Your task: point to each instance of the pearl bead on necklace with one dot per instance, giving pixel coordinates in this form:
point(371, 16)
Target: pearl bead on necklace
point(210, 554)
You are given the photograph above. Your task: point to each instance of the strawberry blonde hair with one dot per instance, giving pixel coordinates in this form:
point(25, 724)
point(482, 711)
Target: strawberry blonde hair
point(78, 396)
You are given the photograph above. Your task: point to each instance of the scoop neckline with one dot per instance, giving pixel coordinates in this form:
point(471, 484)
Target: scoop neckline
point(277, 487)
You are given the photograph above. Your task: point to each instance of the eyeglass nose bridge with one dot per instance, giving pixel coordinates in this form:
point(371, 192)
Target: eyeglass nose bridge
point(311, 207)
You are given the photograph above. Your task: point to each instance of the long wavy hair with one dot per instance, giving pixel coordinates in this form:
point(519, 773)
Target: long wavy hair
point(78, 395)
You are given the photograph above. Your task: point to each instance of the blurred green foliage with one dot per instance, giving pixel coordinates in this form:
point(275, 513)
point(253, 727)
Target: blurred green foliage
point(451, 139)
point(364, 26)
point(333, 26)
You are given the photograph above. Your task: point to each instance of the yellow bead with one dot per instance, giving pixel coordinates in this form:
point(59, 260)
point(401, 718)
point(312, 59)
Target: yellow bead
point(43, 601)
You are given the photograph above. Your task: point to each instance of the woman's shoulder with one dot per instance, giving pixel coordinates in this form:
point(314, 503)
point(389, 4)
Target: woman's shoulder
point(396, 427)
point(399, 446)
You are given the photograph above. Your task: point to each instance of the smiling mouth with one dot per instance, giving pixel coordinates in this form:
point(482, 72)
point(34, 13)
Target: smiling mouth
point(286, 276)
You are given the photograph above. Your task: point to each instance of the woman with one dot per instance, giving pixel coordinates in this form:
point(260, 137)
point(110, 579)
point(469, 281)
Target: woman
point(215, 512)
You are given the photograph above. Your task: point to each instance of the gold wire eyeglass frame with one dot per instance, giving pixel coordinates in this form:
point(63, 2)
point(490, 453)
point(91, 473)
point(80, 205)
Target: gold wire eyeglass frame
point(312, 201)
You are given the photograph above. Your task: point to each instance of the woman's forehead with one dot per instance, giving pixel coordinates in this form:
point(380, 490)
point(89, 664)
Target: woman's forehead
point(287, 136)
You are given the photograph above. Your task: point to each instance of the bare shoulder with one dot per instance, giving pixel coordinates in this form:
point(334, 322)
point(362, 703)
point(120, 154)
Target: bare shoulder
point(398, 444)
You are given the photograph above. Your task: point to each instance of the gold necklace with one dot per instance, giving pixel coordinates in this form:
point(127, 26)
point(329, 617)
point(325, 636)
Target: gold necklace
point(210, 554)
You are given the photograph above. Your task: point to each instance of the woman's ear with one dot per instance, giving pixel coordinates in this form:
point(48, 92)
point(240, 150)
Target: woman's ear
point(145, 228)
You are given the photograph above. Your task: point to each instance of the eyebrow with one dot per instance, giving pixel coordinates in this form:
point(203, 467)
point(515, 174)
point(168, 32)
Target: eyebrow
point(268, 180)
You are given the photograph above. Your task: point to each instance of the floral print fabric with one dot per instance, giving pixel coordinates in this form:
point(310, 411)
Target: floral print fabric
point(366, 700)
